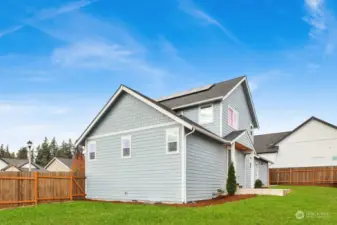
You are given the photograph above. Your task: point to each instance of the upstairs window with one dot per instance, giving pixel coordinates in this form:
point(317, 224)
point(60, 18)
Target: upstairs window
point(233, 118)
point(172, 140)
point(92, 150)
point(126, 147)
point(206, 114)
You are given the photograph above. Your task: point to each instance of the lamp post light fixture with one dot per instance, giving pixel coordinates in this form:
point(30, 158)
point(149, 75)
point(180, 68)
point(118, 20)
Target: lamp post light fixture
point(30, 144)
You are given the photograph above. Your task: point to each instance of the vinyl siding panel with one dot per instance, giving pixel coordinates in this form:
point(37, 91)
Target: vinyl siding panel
point(193, 114)
point(248, 168)
point(240, 168)
point(238, 101)
point(57, 166)
point(129, 113)
point(149, 175)
point(262, 172)
point(206, 167)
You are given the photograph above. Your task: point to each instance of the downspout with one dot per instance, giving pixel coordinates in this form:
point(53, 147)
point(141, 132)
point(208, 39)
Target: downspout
point(185, 163)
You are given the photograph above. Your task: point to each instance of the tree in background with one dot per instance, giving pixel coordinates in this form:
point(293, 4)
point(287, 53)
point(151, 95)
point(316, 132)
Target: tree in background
point(231, 180)
point(53, 147)
point(43, 155)
point(65, 150)
point(22, 153)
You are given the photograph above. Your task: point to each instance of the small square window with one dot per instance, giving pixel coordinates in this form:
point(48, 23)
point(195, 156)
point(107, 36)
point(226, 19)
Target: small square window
point(92, 150)
point(172, 140)
point(126, 147)
point(206, 114)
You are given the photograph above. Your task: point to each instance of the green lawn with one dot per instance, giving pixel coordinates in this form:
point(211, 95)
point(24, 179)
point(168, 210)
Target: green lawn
point(319, 205)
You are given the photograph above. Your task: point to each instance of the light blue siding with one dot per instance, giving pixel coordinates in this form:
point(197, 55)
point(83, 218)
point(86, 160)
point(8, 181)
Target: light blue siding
point(248, 158)
point(129, 113)
point(238, 101)
point(206, 167)
point(245, 139)
point(240, 168)
point(263, 173)
point(150, 174)
point(193, 114)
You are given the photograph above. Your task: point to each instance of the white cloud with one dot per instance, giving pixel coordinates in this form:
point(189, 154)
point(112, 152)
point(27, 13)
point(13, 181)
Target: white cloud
point(49, 13)
point(256, 80)
point(189, 7)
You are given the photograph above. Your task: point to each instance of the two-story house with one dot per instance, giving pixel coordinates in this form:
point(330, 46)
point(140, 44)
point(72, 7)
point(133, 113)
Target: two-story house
point(173, 149)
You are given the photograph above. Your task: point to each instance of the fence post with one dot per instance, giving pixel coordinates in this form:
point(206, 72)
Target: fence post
point(291, 176)
point(36, 187)
point(71, 186)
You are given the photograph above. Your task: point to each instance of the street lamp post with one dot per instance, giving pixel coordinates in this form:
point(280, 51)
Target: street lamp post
point(29, 144)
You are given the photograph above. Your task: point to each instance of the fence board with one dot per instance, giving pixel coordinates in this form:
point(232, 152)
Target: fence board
point(306, 175)
point(27, 188)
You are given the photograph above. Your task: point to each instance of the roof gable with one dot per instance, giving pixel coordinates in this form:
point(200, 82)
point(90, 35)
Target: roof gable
point(264, 143)
point(304, 125)
point(158, 106)
point(214, 92)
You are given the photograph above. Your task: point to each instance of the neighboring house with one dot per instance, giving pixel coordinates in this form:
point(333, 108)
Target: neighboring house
point(58, 164)
point(313, 143)
point(17, 165)
point(174, 149)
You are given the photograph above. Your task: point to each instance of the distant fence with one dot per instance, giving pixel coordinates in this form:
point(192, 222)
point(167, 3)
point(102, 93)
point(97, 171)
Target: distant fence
point(28, 188)
point(304, 176)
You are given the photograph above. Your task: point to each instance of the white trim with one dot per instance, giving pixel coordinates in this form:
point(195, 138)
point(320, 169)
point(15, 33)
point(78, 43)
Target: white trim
point(128, 137)
point(131, 130)
point(141, 98)
point(198, 103)
point(88, 145)
point(199, 110)
point(233, 89)
point(238, 117)
point(221, 119)
point(173, 130)
point(238, 137)
point(55, 158)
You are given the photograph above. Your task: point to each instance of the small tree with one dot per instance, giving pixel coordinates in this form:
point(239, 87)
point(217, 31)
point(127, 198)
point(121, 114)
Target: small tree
point(258, 183)
point(231, 180)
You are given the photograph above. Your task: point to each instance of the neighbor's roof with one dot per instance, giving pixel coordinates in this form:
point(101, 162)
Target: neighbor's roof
point(66, 161)
point(302, 125)
point(232, 136)
point(160, 107)
point(264, 143)
point(18, 163)
point(214, 92)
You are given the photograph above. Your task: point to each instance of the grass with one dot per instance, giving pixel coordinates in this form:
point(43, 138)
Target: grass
point(319, 205)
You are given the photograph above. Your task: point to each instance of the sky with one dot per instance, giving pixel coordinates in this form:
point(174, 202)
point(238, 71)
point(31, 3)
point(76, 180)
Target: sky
point(60, 61)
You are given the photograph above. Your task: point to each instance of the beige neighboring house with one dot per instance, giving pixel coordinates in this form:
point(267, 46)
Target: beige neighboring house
point(311, 144)
point(18, 165)
point(59, 165)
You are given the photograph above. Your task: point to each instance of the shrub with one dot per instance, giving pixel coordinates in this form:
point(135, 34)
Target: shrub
point(258, 183)
point(231, 180)
point(219, 192)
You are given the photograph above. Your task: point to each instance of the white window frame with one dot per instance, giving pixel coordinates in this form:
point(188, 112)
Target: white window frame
point(168, 131)
point(199, 113)
point(238, 116)
point(128, 137)
point(251, 129)
point(88, 150)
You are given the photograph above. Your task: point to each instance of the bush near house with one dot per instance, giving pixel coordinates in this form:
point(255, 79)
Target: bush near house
point(231, 181)
point(258, 183)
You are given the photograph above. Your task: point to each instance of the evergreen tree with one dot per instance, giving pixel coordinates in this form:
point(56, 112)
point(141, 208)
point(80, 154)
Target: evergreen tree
point(12, 155)
point(65, 150)
point(231, 180)
point(2, 151)
point(69, 149)
point(43, 155)
point(7, 153)
point(53, 147)
point(22, 153)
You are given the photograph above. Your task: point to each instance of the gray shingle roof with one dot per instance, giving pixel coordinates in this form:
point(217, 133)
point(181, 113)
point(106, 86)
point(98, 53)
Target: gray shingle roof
point(18, 163)
point(66, 161)
point(216, 90)
point(233, 135)
point(264, 143)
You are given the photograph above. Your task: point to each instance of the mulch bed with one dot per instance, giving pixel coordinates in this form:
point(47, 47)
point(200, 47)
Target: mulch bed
point(202, 203)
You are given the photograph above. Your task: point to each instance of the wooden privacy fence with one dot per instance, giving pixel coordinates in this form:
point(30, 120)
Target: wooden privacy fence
point(27, 188)
point(304, 176)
